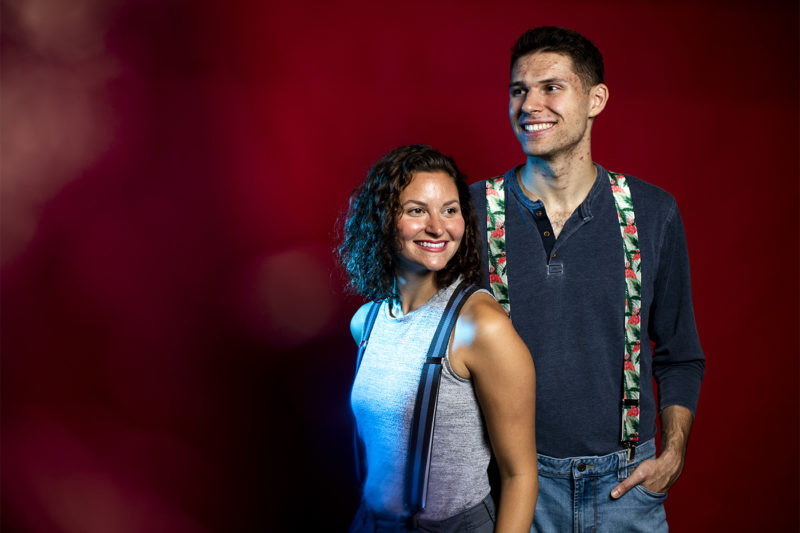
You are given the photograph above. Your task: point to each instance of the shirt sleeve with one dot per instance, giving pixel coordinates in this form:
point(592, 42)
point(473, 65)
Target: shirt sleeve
point(678, 360)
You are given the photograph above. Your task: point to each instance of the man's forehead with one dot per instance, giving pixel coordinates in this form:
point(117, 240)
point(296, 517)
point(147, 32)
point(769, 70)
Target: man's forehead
point(544, 64)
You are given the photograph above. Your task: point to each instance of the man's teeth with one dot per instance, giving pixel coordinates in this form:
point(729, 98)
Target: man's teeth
point(434, 245)
point(538, 127)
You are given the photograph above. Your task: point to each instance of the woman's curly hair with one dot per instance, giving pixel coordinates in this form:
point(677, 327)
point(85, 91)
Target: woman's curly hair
point(368, 249)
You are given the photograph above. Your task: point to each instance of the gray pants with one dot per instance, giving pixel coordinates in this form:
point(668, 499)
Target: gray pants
point(478, 519)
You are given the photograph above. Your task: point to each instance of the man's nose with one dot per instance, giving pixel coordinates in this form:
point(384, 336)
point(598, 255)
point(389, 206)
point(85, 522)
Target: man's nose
point(532, 103)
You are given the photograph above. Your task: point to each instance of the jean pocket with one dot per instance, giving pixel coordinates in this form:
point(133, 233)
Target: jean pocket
point(650, 493)
point(483, 527)
point(480, 519)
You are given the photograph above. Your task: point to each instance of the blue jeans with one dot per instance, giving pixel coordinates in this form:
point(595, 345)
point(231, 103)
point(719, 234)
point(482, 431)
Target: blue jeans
point(575, 496)
point(478, 519)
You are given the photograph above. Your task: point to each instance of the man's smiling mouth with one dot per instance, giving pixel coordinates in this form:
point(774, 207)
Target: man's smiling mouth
point(538, 127)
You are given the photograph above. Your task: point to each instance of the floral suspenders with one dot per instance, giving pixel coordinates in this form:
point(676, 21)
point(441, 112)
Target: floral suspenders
point(633, 305)
point(496, 240)
point(498, 281)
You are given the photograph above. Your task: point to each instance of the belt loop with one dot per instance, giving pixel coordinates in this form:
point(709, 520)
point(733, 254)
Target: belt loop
point(622, 464)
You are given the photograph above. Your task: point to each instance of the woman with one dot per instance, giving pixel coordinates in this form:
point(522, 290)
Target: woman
point(410, 238)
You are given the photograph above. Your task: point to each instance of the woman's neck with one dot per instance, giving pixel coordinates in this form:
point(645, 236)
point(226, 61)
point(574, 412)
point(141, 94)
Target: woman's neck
point(415, 289)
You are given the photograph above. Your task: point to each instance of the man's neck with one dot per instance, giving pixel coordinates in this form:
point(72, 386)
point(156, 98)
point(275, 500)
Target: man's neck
point(560, 185)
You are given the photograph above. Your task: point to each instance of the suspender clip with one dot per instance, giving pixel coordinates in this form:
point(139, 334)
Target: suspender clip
point(631, 446)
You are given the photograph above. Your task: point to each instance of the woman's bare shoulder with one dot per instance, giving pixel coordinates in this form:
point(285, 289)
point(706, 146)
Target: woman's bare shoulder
point(487, 331)
point(485, 315)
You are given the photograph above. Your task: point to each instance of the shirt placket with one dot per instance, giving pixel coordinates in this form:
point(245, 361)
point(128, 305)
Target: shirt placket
point(552, 246)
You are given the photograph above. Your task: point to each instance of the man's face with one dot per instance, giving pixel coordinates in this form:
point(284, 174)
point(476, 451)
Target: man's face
point(549, 107)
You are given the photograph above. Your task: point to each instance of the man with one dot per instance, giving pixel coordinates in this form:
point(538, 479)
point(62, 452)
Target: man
point(592, 266)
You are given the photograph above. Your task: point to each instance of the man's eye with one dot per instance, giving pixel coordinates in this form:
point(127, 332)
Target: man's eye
point(517, 91)
point(551, 88)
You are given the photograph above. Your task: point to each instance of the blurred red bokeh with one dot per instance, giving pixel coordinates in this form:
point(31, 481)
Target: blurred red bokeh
point(174, 332)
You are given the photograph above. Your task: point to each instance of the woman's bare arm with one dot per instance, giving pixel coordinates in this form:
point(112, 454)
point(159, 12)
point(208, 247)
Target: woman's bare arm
point(487, 349)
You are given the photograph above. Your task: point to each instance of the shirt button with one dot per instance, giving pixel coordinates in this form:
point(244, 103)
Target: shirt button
point(546, 233)
point(539, 213)
point(553, 256)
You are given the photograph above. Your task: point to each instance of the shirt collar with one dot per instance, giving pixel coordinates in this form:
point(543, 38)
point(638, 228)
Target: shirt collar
point(584, 210)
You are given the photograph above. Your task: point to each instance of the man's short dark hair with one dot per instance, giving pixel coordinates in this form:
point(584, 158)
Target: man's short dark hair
point(586, 58)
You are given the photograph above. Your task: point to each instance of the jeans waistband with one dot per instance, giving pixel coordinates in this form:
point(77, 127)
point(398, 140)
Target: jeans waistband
point(594, 465)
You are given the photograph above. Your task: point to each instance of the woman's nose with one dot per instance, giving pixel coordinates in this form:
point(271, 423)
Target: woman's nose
point(435, 226)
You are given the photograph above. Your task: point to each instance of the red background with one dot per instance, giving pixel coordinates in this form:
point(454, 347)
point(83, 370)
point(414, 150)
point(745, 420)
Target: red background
point(174, 334)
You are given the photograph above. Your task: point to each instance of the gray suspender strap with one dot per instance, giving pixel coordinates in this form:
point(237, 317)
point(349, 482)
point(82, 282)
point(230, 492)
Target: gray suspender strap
point(358, 444)
point(419, 452)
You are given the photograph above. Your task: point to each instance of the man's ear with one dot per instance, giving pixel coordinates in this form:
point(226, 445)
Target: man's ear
point(598, 97)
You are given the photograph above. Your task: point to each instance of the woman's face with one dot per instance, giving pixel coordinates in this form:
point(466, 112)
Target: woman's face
point(430, 226)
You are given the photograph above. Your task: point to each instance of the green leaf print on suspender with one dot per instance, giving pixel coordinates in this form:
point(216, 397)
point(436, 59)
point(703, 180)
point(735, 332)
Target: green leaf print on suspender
point(496, 240)
point(633, 306)
point(498, 281)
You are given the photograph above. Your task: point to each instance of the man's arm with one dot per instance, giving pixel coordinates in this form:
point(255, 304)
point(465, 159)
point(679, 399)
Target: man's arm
point(658, 475)
point(678, 362)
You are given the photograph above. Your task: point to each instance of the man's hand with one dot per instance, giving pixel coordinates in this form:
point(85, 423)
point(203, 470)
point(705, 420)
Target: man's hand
point(658, 475)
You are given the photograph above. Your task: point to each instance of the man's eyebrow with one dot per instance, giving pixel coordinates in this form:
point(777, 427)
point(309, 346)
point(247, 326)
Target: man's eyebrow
point(553, 80)
point(539, 82)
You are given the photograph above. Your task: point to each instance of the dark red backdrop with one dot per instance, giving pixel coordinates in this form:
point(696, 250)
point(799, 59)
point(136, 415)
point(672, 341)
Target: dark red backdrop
point(175, 347)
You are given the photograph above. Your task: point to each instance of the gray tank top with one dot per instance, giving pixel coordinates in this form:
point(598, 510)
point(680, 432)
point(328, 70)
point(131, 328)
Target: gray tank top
point(383, 397)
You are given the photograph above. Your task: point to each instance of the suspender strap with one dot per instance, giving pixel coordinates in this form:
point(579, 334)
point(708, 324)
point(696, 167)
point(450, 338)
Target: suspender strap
point(369, 321)
point(496, 240)
point(633, 304)
point(419, 452)
point(358, 444)
point(498, 282)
